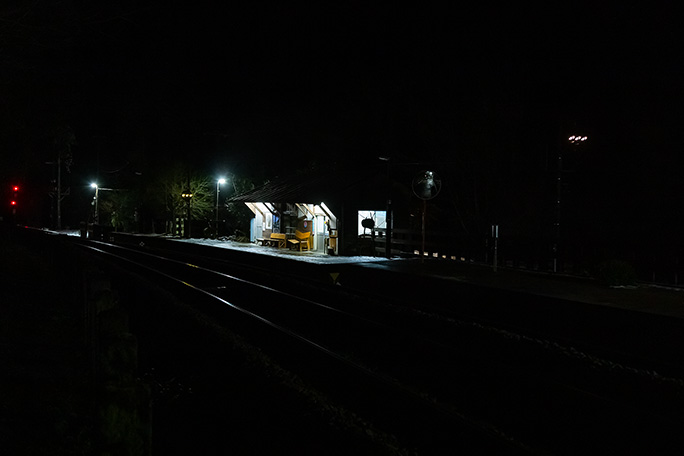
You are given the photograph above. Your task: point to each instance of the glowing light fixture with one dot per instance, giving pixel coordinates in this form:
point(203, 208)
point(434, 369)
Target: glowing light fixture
point(576, 139)
point(97, 200)
point(219, 182)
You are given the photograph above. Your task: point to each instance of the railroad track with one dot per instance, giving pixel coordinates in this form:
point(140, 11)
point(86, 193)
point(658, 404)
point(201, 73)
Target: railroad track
point(435, 381)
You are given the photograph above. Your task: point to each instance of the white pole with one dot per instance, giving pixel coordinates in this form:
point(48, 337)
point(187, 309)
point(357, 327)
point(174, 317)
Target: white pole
point(218, 189)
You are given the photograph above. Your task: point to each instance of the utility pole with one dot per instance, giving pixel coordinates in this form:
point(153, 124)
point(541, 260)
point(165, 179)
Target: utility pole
point(61, 195)
point(63, 140)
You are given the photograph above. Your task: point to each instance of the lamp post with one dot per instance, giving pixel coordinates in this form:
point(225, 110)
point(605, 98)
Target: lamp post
point(187, 196)
point(218, 189)
point(575, 140)
point(97, 212)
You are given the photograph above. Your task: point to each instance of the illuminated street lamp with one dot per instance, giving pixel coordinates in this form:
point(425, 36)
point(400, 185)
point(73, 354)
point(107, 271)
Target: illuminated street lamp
point(218, 189)
point(97, 213)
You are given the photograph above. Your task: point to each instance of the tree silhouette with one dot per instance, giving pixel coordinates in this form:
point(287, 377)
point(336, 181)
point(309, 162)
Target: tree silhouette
point(175, 180)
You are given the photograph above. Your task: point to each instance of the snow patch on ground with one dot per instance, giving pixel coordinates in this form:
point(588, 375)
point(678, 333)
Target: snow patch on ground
point(310, 257)
point(64, 232)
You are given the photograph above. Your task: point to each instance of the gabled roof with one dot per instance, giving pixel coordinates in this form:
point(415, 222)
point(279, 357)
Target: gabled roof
point(320, 187)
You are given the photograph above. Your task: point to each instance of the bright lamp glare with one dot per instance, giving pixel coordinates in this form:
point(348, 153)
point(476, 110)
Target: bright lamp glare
point(221, 181)
point(93, 185)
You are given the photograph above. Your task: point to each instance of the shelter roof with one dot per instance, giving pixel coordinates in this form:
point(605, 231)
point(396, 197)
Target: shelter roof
point(312, 188)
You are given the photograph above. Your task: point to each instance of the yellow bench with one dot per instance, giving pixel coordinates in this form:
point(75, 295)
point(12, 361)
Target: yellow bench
point(275, 239)
point(278, 240)
point(301, 240)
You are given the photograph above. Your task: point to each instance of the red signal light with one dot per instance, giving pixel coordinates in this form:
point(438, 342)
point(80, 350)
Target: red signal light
point(13, 202)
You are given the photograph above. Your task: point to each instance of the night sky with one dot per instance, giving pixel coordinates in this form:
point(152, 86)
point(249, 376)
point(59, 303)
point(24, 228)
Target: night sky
point(485, 95)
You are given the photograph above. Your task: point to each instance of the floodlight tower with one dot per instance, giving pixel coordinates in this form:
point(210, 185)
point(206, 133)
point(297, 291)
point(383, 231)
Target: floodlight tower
point(574, 140)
